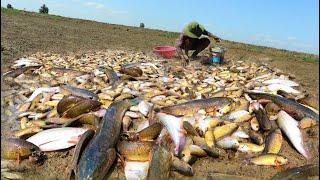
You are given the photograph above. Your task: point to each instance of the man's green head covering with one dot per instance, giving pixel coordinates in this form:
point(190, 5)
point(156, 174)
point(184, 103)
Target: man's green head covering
point(190, 29)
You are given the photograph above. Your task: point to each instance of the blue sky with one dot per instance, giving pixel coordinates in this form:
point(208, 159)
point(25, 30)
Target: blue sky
point(287, 24)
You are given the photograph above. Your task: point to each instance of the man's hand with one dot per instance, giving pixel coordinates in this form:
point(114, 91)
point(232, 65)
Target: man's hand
point(217, 39)
point(214, 37)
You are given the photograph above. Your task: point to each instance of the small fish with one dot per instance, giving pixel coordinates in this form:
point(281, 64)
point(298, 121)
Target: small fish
point(290, 128)
point(79, 92)
point(262, 117)
point(254, 124)
point(269, 160)
point(113, 77)
point(281, 81)
point(189, 128)
point(27, 131)
point(209, 138)
point(239, 133)
point(272, 108)
point(43, 90)
point(222, 131)
point(256, 137)
point(228, 142)
point(57, 138)
point(196, 151)
point(181, 166)
point(302, 172)
point(144, 107)
point(250, 147)
point(274, 142)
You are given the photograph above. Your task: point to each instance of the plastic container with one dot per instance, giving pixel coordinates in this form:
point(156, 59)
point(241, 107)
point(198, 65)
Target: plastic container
point(217, 54)
point(165, 51)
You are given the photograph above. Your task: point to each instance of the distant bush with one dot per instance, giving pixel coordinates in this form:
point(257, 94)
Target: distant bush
point(44, 9)
point(142, 25)
point(9, 6)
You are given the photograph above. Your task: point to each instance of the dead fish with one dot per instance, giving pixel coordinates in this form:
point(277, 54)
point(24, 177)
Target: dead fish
point(17, 72)
point(256, 137)
point(136, 169)
point(57, 138)
point(239, 116)
point(181, 166)
point(269, 160)
point(27, 131)
point(228, 142)
point(67, 102)
point(222, 131)
point(79, 92)
point(189, 128)
point(70, 72)
point(186, 156)
point(250, 147)
point(150, 133)
point(272, 108)
point(295, 109)
point(131, 70)
point(254, 124)
point(302, 172)
point(290, 127)
point(14, 148)
point(307, 122)
point(212, 104)
point(263, 119)
point(112, 76)
point(81, 107)
point(240, 134)
point(135, 150)
point(281, 81)
point(274, 142)
point(93, 165)
point(209, 138)
point(277, 87)
point(144, 107)
point(174, 126)
point(211, 151)
point(160, 164)
point(196, 151)
point(43, 90)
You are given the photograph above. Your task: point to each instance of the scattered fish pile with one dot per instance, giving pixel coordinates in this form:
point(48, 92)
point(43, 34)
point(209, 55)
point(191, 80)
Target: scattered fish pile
point(158, 117)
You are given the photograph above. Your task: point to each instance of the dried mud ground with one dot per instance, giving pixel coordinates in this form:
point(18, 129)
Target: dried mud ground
point(24, 33)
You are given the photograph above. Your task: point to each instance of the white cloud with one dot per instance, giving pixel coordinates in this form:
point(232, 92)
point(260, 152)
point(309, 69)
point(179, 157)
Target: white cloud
point(95, 5)
point(102, 7)
point(292, 38)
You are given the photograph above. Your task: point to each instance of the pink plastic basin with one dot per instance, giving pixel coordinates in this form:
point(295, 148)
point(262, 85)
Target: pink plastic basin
point(165, 51)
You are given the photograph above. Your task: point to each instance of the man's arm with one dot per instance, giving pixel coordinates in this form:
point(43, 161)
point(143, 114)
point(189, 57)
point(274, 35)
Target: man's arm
point(216, 38)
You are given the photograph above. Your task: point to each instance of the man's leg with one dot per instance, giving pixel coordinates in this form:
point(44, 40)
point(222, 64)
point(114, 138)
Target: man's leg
point(199, 45)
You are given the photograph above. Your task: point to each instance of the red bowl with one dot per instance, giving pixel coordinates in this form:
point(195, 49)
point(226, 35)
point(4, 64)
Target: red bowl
point(165, 51)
